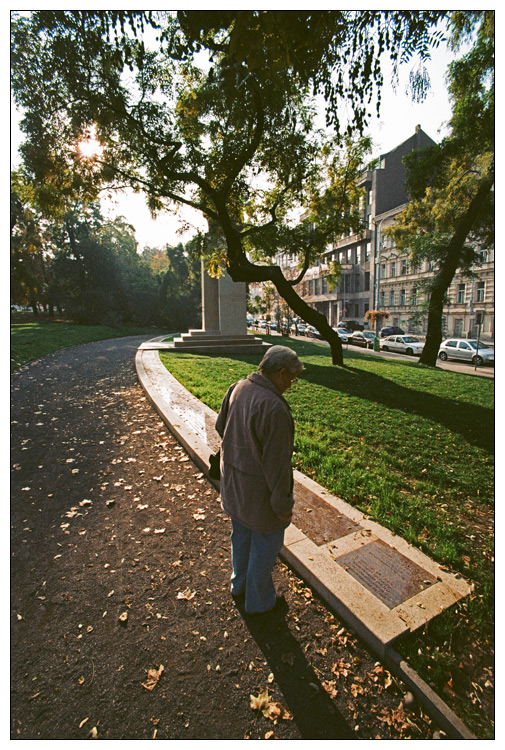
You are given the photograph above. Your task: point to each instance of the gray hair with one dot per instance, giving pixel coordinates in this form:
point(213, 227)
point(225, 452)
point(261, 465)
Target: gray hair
point(279, 357)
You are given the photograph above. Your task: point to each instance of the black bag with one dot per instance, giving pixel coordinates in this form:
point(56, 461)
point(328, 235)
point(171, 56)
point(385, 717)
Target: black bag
point(214, 471)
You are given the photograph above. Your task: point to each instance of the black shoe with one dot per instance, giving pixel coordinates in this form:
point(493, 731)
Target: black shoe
point(238, 597)
point(279, 606)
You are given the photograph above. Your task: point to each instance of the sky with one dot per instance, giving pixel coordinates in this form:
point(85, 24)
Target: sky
point(397, 122)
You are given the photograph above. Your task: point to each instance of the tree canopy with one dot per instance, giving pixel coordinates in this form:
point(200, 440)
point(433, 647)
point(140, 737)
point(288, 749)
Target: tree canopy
point(452, 208)
point(215, 110)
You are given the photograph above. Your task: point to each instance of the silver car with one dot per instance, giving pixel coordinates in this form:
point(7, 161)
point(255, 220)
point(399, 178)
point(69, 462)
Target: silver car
point(402, 344)
point(467, 349)
point(343, 333)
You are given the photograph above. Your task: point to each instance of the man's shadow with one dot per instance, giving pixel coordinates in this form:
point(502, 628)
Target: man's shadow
point(312, 709)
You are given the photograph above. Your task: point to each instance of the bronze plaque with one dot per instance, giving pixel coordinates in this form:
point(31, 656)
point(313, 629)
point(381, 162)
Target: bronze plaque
point(386, 573)
point(319, 520)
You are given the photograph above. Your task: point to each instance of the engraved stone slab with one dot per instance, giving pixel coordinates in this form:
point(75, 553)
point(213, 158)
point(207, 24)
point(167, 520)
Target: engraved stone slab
point(318, 520)
point(386, 573)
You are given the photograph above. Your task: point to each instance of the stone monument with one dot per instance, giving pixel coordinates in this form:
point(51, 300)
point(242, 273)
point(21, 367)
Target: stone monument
point(224, 324)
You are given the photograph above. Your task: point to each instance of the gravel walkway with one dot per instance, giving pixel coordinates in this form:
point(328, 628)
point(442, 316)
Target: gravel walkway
point(122, 626)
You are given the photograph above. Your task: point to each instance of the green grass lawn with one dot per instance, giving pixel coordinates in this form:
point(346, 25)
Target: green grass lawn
point(409, 445)
point(35, 339)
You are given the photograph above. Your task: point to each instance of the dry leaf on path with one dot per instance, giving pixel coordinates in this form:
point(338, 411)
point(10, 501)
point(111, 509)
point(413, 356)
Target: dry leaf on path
point(186, 594)
point(270, 709)
point(153, 675)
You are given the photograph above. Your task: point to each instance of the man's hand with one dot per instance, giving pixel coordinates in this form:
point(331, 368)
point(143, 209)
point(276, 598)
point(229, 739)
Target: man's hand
point(286, 518)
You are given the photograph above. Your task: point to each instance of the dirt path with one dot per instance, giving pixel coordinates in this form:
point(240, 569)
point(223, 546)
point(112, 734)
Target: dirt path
point(120, 564)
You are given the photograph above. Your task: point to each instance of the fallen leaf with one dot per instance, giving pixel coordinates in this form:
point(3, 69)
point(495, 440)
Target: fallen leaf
point(270, 709)
point(153, 675)
point(186, 594)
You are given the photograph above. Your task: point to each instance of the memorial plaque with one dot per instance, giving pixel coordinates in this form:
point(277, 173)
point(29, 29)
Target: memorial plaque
point(319, 520)
point(386, 573)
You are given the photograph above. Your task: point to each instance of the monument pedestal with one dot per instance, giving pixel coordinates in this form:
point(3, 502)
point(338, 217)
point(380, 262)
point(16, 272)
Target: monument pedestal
point(224, 312)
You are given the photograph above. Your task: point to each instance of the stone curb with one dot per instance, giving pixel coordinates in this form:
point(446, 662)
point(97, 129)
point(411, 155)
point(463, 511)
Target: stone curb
point(192, 424)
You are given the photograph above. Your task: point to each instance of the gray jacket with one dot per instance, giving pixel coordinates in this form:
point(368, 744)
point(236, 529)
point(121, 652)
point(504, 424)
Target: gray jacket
point(257, 428)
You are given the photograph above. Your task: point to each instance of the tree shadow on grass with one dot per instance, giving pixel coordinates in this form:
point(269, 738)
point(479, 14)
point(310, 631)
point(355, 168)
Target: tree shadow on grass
point(313, 711)
point(474, 423)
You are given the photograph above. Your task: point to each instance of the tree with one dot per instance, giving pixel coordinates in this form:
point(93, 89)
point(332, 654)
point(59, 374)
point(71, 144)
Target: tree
point(30, 247)
point(452, 205)
point(234, 138)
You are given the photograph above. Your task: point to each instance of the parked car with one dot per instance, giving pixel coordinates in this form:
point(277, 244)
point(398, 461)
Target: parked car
point(312, 332)
point(391, 331)
point(466, 349)
point(343, 334)
point(350, 325)
point(402, 344)
point(273, 325)
point(362, 338)
point(298, 328)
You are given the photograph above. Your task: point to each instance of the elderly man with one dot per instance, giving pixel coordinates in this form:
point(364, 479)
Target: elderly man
point(257, 432)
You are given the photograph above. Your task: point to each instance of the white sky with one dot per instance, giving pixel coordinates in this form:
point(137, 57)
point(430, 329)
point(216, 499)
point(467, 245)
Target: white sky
point(398, 119)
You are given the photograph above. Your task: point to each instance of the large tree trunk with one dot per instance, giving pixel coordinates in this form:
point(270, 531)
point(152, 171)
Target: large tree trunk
point(241, 269)
point(446, 273)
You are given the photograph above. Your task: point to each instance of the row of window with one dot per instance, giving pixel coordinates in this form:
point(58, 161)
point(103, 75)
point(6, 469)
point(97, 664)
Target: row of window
point(480, 292)
point(352, 255)
point(351, 283)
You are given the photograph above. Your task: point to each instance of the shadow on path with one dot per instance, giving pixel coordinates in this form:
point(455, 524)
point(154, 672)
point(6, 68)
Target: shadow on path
point(313, 711)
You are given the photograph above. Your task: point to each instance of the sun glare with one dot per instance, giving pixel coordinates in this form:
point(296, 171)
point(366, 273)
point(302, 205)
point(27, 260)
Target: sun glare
point(89, 147)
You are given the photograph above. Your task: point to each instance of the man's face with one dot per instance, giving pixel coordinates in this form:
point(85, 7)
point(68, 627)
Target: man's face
point(286, 379)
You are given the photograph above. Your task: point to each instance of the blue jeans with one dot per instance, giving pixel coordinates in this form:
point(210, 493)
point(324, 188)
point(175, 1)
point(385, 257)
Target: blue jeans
point(253, 557)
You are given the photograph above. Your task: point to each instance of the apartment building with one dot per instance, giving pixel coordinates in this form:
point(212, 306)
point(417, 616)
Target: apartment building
point(375, 274)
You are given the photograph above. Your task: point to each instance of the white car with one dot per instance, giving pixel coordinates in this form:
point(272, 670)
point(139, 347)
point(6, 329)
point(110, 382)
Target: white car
point(402, 344)
point(467, 349)
point(343, 333)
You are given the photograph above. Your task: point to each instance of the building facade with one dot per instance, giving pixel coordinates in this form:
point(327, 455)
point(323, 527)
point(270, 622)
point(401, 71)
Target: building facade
point(376, 275)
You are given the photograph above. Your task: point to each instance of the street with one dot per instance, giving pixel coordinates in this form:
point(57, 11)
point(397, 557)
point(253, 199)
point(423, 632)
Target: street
point(486, 371)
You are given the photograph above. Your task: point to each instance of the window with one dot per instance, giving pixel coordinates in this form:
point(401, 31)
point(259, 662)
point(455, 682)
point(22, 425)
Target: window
point(367, 281)
point(460, 298)
point(356, 310)
point(369, 197)
point(366, 308)
point(458, 327)
point(402, 296)
point(413, 296)
point(383, 271)
point(391, 297)
point(382, 301)
point(404, 267)
point(464, 345)
point(481, 291)
point(452, 344)
point(393, 268)
point(368, 250)
point(358, 254)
